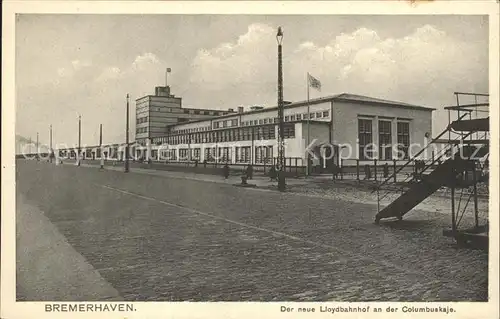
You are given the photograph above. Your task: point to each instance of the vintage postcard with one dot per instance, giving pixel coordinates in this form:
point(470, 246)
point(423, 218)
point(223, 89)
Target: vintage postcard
point(250, 159)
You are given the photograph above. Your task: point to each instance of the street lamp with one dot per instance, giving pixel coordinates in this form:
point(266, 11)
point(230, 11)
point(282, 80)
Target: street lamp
point(50, 153)
point(79, 139)
point(281, 135)
point(37, 148)
point(126, 139)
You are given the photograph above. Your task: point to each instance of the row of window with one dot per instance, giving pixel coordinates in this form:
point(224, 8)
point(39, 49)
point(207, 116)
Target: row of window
point(192, 130)
point(229, 135)
point(200, 112)
point(225, 123)
point(365, 137)
point(262, 154)
point(288, 118)
point(234, 122)
point(142, 130)
point(142, 120)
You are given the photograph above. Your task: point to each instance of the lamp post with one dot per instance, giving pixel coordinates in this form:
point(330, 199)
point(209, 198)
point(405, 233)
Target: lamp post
point(126, 139)
point(281, 135)
point(37, 148)
point(79, 139)
point(50, 153)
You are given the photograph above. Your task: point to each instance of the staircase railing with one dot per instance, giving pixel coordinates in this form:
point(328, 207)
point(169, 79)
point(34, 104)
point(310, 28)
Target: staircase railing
point(408, 179)
point(437, 157)
point(448, 129)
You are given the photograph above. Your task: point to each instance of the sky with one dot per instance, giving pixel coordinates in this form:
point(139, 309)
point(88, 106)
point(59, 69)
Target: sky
point(71, 65)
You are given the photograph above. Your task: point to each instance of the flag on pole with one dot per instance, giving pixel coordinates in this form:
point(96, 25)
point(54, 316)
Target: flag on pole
point(169, 70)
point(313, 82)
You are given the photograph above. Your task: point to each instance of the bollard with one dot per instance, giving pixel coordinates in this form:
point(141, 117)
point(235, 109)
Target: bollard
point(244, 179)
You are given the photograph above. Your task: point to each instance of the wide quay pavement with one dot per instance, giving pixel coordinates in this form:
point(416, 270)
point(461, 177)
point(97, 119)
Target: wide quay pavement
point(147, 237)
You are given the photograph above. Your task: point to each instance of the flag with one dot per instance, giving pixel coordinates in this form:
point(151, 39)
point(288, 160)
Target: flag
point(169, 70)
point(313, 82)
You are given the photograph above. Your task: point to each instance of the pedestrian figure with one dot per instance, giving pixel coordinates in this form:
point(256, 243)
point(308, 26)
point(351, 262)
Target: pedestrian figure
point(226, 171)
point(196, 163)
point(272, 173)
point(386, 170)
point(205, 163)
point(368, 172)
point(250, 171)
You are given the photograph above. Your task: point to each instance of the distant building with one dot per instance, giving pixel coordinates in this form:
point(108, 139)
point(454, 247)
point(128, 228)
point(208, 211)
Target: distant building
point(156, 113)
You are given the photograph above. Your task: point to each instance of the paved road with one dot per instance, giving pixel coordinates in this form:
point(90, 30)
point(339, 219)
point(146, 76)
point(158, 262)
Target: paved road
point(163, 239)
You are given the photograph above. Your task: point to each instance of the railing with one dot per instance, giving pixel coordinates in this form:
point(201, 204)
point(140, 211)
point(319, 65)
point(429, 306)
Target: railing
point(427, 164)
point(415, 157)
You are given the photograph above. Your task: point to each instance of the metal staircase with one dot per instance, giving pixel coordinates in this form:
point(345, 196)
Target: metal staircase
point(453, 167)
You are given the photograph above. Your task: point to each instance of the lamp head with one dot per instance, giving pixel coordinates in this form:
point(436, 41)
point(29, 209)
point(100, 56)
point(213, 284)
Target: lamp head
point(279, 35)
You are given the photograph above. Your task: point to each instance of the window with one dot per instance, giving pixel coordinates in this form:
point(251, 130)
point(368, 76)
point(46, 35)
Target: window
point(289, 131)
point(246, 134)
point(196, 112)
point(234, 122)
point(186, 111)
point(319, 115)
point(272, 132)
point(312, 115)
point(365, 139)
point(261, 121)
point(183, 154)
point(304, 116)
point(210, 154)
point(243, 154)
point(265, 121)
point(206, 113)
point(170, 155)
point(403, 139)
point(385, 140)
point(292, 117)
point(258, 133)
point(326, 113)
point(263, 154)
point(195, 154)
point(224, 154)
point(299, 117)
point(287, 118)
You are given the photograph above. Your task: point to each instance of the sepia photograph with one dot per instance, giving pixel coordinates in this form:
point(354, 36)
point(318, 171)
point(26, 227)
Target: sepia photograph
point(267, 157)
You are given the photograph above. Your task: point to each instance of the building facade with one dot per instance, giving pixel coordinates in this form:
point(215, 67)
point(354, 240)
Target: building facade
point(155, 114)
point(347, 126)
point(340, 126)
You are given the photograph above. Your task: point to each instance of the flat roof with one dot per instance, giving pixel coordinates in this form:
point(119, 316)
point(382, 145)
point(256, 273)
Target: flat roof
point(343, 97)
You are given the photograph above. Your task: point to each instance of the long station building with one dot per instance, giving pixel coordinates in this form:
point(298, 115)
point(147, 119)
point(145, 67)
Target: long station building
point(330, 127)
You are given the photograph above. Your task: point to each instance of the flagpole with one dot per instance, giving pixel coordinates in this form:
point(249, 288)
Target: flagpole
point(308, 126)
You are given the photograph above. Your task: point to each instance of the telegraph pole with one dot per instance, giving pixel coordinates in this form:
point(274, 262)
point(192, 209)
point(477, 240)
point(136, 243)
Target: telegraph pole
point(126, 139)
point(100, 147)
